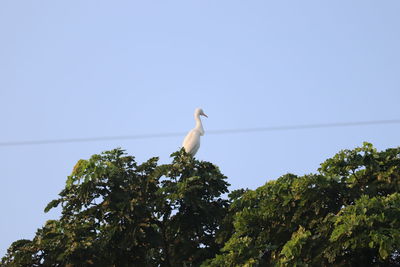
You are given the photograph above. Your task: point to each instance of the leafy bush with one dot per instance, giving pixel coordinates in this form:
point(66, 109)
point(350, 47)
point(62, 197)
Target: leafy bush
point(346, 215)
point(116, 212)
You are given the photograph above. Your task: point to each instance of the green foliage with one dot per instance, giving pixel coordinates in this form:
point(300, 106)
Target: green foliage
point(116, 212)
point(347, 215)
point(291, 251)
point(372, 225)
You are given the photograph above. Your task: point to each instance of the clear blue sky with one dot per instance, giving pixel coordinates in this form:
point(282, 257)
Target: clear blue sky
point(104, 68)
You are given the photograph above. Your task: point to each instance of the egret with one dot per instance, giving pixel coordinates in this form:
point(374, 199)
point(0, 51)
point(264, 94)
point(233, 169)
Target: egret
point(191, 143)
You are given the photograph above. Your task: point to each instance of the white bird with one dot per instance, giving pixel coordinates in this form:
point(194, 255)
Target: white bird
point(191, 143)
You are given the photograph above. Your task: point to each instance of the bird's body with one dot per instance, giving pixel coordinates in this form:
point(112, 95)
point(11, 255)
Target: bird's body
point(191, 143)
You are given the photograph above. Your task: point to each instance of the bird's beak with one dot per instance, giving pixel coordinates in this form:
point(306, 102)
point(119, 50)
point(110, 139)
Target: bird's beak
point(205, 115)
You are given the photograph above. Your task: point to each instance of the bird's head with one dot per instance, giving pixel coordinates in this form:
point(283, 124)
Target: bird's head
point(199, 112)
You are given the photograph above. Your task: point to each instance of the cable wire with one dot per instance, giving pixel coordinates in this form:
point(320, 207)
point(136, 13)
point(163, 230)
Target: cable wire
point(224, 131)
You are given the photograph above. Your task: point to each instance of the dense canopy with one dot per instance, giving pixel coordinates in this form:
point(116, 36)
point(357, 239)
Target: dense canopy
point(116, 212)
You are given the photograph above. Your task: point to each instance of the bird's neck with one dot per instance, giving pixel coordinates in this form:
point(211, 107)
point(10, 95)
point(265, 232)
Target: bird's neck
point(199, 125)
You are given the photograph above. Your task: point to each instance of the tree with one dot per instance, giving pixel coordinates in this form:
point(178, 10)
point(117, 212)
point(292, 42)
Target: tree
point(346, 215)
point(118, 213)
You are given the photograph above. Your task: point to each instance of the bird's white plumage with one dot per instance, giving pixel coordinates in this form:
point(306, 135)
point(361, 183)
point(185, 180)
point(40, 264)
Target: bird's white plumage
point(191, 143)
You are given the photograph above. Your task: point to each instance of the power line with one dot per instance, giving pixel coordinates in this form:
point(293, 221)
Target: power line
point(225, 131)
point(305, 126)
